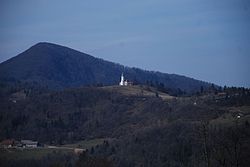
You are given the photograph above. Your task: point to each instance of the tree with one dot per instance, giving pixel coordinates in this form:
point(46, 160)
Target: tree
point(156, 94)
point(201, 89)
point(90, 161)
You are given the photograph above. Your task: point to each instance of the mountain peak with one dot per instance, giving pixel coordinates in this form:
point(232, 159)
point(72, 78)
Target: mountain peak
point(46, 45)
point(41, 44)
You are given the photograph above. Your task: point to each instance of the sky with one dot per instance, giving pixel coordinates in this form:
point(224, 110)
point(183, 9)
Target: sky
point(207, 40)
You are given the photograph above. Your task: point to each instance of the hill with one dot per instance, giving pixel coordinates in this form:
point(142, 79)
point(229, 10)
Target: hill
point(57, 67)
point(138, 90)
point(144, 127)
point(85, 112)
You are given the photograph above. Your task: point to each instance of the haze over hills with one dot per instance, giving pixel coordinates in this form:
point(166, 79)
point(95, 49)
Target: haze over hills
point(139, 125)
point(60, 67)
point(132, 84)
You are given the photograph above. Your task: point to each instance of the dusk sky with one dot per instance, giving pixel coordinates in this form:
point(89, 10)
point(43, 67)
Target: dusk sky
point(204, 39)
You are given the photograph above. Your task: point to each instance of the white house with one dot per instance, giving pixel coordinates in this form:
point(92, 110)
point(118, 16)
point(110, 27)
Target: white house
point(29, 143)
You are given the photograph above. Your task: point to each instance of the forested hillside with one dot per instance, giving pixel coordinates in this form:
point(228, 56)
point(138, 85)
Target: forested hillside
point(58, 67)
point(143, 127)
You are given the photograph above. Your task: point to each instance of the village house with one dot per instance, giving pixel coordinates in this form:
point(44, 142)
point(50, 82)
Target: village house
point(79, 151)
point(29, 143)
point(7, 143)
point(220, 96)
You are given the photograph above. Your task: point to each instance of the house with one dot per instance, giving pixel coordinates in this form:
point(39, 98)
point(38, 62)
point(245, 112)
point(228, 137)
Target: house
point(7, 143)
point(15, 97)
point(79, 151)
point(29, 143)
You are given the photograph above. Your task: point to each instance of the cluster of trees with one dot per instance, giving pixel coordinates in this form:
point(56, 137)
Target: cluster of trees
point(225, 146)
point(161, 87)
point(53, 159)
point(182, 144)
point(212, 89)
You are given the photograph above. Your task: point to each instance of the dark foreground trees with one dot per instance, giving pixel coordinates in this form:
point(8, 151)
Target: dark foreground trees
point(92, 161)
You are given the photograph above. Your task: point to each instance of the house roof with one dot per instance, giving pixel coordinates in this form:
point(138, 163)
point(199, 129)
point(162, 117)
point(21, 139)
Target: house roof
point(29, 142)
point(7, 142)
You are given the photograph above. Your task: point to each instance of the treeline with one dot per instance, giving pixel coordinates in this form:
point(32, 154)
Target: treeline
point(182, 144)
point(54, 159)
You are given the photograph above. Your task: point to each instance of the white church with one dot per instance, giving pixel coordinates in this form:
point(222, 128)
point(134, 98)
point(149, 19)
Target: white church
point(124, 82)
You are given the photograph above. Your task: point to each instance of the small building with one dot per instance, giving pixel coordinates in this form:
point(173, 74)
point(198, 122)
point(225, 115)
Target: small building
point(79, 151)
point(15, 97)
point(29, 143)
point(7, 143)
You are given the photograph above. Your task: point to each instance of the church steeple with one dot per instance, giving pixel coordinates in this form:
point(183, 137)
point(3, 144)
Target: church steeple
point(122, 80)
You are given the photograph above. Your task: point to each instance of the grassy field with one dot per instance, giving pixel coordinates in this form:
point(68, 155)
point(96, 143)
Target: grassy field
point(230, 118)
point(40, 152)
point(87, 144)
point(35, 153)
point(136, 90)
